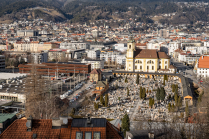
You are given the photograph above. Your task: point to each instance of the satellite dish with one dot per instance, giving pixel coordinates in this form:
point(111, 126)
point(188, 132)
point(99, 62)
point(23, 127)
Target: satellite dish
point(65, 121)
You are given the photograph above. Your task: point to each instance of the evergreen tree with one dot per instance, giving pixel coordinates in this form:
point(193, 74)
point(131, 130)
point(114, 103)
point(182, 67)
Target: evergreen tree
point(125, 124)
point(173, 87)
point(127, 92)
point(137, 79)
point(150, 102)
point(106, 100)
point(176, 98)
point(96, 106)
point(179, 102)
point(144, 93)
point(169, 107)
point(173, 107)
point(158, 94)
point(126, 80)
point(153, 101)
point(162, 94)
point(140, 93)
point(72, 112)
point(102, 100)
point(187, 109)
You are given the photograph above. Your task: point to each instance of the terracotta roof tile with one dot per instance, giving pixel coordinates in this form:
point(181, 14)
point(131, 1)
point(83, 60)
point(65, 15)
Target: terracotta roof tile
point(96, 71)
point(163, 55)
point(203, 62)
point(43, 129)
point(145, 53)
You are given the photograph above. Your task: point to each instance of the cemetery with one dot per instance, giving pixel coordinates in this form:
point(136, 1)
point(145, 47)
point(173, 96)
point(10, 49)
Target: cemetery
point(140, 97)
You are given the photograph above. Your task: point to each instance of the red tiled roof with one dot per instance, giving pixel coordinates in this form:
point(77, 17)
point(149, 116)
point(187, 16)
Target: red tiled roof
point(163, 55)
point(145, 53)
point(203, 62)
point(96, 71)
point(43, 129)
point(18, 129)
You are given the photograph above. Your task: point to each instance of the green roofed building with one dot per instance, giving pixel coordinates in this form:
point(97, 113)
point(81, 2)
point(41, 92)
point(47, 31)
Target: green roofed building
point(6, 119)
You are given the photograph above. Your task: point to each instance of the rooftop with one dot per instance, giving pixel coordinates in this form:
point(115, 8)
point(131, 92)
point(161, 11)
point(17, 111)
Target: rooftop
point(4, 75)
point(5, 116)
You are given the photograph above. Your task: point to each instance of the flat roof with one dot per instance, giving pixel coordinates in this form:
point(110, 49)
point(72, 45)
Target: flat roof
point(4, 102)
point(5, 116)
point(4, 75)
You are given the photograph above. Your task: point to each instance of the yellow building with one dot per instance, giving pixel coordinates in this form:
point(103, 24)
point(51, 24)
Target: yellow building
point(146, 60)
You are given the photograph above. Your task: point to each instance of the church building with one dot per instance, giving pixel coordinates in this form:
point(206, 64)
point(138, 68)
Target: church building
point(146, 60)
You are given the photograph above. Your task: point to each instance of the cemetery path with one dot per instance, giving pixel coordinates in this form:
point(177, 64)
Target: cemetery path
point(135, 111)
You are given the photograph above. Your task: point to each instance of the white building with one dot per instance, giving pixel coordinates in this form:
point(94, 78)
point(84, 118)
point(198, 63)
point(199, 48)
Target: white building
point(197, 49)
point(74, 45)
point(95, 64)
point(121, 59)
point(172, 46)
point(120, 47)
point(93, 54)
point(39, 58)
point(203, 66)
point(109, 56)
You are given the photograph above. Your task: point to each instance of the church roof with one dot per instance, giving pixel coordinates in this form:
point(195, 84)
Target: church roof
point(145, 53)
point(150, 53)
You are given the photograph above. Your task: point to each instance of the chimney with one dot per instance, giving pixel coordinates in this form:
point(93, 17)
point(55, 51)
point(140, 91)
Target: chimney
point(202, 57)
point(88, 120)
point(60, 122)
point(29, 123)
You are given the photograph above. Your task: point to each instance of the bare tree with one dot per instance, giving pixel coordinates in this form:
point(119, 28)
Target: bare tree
point(41, 103)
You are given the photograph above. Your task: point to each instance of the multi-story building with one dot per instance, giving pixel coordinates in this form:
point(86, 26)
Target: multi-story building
point(95, 33)
point(56, 54)
point(121, 59)
point(27, 33)
point(34, 46)
point(74, 45)
point(145, 60)
point(95, 64)
point(202, 66)
point(172, 46)
point(2, 62)
point(52, 68)
point(39, 58)
point(109, 56)
point(164, 33)
point(93, 54)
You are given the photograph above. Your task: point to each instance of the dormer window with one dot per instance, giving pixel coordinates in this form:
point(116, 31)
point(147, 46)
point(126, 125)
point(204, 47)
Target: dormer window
point(129, 46)
point(97, 135)
point(79, 135)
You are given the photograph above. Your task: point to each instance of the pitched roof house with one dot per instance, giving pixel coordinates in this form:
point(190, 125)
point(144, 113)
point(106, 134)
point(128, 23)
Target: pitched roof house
point(63, 128)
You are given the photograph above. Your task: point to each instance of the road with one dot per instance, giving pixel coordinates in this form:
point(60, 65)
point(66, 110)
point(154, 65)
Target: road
point(188, 72)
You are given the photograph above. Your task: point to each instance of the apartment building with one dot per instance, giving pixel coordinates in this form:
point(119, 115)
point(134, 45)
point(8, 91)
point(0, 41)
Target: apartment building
point(2, 62)
point(74, 45)
point(95, 64)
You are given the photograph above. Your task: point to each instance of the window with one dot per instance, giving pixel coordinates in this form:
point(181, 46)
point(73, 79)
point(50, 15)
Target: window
point(140, 67)
point(97, 135)
point(159, 67)
point(129, 46)
point(166, 62)
point(135, 66)
point(87, 135)
point(79, 135)
point(165, 67)
point(152, 67)
point(147, 67)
